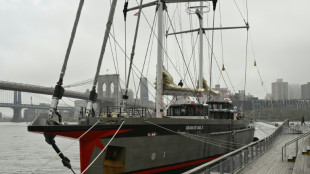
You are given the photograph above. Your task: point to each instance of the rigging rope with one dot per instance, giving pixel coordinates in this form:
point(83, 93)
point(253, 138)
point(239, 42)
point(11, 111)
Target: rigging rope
point(133, 49)
point(190, 136)
point(212, 47)
point(104, 147)
point(240, 11)
point(246, 58)
point(166, 54)
point(145, 57)
point(116, 57)
point(138, 69)
point(66, 147)
point(216, 61)
point(191, 79)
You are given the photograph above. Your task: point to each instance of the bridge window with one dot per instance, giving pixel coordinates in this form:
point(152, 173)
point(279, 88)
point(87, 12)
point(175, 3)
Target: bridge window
point(112, 88)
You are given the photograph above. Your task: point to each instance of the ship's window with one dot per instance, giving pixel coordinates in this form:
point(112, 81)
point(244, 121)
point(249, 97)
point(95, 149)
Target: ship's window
point(199, 111)
point(214, 106)
point(205, 110)
point(169, 112)
point(220, 106)
point(190, 110)
point(183, 111)
point(176, 111)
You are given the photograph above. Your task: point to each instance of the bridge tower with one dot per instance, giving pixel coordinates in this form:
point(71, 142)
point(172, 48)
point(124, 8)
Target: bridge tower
point(112, 88)
point(17, 111)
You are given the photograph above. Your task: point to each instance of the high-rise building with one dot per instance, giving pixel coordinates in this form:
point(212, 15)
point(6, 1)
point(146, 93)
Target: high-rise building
point(305, 91)
point(144, 92)
point(294, 91)
point(279, 90)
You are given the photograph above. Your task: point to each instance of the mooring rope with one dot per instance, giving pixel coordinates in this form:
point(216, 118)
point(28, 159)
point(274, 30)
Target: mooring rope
point(189, 136)
point(66, 147)
point(104, 147)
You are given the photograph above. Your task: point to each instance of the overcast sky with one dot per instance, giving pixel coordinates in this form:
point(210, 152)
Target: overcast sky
point(34, 36)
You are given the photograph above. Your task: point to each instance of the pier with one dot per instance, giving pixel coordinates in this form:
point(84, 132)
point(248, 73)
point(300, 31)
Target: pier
point(285, 150)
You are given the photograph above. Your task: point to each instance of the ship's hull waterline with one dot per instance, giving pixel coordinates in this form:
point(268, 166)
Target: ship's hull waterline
point(151, 145)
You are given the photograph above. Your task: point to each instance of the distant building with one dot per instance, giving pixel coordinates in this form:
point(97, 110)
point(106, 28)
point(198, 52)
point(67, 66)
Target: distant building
point(144, 92)
point(294, 91)
point(29, 114)
point(268, 96)
point(224, 92)
point(305, 91)
point(279, 90)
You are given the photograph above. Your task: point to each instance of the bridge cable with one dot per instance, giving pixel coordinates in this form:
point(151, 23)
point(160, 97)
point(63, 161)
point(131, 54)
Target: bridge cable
point(66, 147)
point(104, 147)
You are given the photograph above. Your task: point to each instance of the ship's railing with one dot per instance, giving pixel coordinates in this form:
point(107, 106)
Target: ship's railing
point(238, 159)
point(121, 111)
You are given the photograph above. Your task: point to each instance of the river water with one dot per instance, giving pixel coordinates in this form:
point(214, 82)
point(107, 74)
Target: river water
point(23, 152)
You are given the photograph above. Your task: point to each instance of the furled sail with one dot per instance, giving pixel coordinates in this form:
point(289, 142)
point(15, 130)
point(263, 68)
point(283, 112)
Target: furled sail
point(170, 88)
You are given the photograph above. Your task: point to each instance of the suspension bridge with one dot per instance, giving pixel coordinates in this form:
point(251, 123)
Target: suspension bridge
point(109, 94)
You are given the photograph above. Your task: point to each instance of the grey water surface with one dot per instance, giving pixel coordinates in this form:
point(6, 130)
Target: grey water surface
point(23, 152)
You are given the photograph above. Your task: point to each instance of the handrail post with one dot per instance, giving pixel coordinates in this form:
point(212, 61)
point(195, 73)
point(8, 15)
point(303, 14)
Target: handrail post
point(282, 153)
point(221, 167)
point(231, 164)
point(296, 147)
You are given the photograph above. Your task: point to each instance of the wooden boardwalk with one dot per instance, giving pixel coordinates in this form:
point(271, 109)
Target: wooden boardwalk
point(302, 164)
point(271, 161)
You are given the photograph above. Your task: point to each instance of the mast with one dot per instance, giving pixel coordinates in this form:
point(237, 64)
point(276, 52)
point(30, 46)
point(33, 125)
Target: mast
point(200, 49)
point(160, 55)
point(93, 94)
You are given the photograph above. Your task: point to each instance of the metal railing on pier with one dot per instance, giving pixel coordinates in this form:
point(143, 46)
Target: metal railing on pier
point(294, 141)
point(239, 158)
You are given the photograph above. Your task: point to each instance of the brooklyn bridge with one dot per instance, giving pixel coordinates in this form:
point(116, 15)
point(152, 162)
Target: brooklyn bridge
point(11, 97)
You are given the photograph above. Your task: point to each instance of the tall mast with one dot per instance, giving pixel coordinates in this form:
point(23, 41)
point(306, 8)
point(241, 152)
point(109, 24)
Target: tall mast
point(160, 55)
point(200, 86)
point(93, 94)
